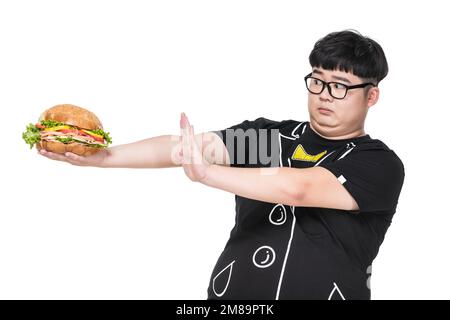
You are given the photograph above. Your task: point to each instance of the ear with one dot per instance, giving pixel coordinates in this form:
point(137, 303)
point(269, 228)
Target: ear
point(372, 96)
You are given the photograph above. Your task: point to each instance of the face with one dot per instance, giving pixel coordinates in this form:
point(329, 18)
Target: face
point(344, 117)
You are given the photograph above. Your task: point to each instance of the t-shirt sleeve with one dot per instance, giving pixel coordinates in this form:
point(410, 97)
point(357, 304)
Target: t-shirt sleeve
point(373, 177)
point(253, 143)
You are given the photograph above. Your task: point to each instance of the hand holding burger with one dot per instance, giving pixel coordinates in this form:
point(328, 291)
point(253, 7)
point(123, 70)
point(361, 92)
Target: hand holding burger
point(66, 132)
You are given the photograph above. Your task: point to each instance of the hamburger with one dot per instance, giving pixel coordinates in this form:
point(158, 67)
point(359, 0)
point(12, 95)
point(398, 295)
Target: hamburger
point(67, 128)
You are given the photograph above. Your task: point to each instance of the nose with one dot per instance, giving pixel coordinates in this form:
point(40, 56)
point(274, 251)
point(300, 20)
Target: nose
point(325, 95)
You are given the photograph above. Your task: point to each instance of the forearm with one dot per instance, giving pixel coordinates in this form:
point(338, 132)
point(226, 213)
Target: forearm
point(272, 185)
point(155, 152)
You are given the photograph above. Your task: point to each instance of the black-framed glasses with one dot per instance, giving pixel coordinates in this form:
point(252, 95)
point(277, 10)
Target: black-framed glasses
point(336, 89)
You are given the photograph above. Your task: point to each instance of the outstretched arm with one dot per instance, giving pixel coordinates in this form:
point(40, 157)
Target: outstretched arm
point(155, 152)
point(264, 184)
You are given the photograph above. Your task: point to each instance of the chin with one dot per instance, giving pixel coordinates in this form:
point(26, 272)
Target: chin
point(323, 120)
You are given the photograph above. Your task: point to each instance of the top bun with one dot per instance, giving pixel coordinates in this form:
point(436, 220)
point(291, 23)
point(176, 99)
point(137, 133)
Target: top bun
point(72, 115)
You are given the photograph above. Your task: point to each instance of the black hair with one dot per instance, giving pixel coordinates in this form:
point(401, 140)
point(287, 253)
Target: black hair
point(349, 51)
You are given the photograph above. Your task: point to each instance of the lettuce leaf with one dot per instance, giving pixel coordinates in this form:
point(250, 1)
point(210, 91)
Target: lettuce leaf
point(104, 135)
point(31, 135)
point(64, 139)
point(51, 123)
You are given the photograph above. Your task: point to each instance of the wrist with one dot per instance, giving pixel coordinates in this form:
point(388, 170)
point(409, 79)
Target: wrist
point(103, 161)
point(207, 178)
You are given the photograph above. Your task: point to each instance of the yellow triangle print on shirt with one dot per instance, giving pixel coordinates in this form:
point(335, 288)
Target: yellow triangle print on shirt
point(302, 155)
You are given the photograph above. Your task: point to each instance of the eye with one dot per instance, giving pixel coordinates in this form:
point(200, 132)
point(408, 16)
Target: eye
point(338, 85)
point(317, 82)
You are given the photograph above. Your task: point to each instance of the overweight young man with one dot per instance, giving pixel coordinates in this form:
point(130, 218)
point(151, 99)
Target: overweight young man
point(314, 199)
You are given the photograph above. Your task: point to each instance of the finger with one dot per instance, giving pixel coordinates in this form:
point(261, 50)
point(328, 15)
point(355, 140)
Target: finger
point(185, 145)
point(74, 157)
point(188, 149)
point(183, 124)
point(53, 156)
point(193, 146)
point(197, 154)
point(192, 141)
point(183, 121)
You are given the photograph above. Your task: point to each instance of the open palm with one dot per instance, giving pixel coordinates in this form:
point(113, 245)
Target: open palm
point(192, 160)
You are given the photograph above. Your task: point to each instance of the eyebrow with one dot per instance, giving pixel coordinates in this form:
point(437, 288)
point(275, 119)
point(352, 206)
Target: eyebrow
point(334, 77)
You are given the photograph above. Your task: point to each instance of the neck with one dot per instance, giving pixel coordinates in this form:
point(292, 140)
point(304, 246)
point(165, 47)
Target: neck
point(358, 132)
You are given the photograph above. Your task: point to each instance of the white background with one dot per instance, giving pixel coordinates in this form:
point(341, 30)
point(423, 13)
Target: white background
point(71, 232)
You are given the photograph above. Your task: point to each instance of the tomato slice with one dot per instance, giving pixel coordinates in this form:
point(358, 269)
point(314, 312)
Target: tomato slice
point(40, 126)
point(97, 139)
point(67, 131)
point(93, 135)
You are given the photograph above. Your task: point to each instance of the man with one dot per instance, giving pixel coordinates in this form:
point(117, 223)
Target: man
point(309, 221)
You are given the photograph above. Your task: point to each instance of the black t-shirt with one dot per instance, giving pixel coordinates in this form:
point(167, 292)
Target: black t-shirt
point(277, 251)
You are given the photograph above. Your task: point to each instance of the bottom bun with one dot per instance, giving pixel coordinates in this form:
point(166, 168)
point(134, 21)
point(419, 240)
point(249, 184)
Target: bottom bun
point(59, 147)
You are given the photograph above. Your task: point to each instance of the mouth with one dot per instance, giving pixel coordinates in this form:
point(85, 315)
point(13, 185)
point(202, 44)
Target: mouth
point(325, 110)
